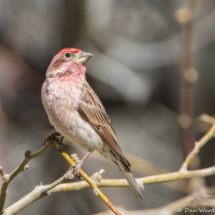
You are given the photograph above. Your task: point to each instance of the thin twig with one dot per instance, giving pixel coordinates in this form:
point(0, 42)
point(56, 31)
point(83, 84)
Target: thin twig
point(91, 182)
point(7, 178)
point(198, 146)
point(144, 180)
point(38, 192)
point(207, 118)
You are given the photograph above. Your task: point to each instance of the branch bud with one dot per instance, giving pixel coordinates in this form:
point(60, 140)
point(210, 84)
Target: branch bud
point(75, 157)
point(97, 176)
point(27, 153)
point(26, 167)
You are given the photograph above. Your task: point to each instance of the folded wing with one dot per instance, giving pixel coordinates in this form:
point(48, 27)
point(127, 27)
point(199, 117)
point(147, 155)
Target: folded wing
point(92, 110)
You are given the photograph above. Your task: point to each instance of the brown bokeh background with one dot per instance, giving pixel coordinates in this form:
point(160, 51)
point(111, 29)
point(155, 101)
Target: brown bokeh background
point(136, 73)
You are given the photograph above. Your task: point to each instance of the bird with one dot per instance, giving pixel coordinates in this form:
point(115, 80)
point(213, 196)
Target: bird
point(77, 113)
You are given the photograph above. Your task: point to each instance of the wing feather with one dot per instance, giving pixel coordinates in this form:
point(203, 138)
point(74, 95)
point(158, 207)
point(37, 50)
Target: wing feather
point(92, 110)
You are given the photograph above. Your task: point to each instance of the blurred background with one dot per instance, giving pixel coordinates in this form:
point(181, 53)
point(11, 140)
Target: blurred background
point(136, 72)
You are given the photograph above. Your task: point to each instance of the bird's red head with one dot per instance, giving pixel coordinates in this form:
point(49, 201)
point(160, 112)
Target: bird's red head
point(68, 61)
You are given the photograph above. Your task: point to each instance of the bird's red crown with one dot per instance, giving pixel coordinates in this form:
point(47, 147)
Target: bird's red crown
point(73, 50)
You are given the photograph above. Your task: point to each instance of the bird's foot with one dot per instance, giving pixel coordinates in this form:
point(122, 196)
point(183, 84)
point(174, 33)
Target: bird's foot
point(55, 136)
point(78, 165)
point(77, 168)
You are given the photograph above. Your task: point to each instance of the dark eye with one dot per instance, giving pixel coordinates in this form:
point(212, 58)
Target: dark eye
point(67, 54)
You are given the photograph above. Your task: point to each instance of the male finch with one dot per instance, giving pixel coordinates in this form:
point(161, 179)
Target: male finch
point(76, 112)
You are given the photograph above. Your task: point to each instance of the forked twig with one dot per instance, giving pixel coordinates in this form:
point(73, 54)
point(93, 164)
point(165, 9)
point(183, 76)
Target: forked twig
point(91, 182)
point(7, 178)
point(197, 147)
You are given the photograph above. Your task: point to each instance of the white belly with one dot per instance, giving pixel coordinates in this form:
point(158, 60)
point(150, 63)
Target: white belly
point(60, 106)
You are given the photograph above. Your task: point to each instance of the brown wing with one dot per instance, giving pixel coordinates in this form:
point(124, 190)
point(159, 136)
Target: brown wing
point(92, 110)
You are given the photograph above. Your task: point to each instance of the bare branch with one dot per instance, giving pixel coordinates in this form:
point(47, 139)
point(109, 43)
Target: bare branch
point(89, 180)
point(21, 167)
point(198, 146)
point(38, 192)
point(141, 181)
point(206, 118)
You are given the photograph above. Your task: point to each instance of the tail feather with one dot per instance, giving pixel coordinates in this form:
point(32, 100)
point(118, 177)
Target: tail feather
point(124, 166)
point(133, 184)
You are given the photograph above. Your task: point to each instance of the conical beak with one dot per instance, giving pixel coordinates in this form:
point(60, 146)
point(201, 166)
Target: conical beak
point(83, 57)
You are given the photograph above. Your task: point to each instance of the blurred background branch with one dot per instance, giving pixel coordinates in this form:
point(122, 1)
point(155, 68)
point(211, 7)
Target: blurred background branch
point(189, 75)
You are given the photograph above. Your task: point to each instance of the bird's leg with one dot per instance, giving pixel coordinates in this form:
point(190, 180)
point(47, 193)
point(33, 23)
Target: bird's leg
point(55, 135)
point(77, 166)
